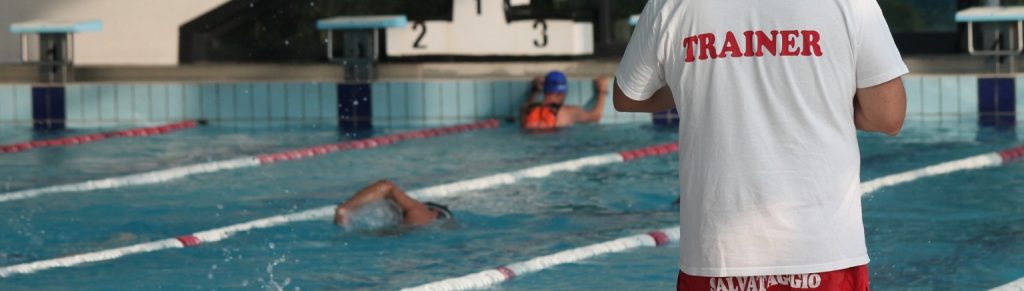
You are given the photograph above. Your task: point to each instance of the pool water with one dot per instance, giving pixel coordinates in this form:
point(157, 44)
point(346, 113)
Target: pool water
point(953, 232)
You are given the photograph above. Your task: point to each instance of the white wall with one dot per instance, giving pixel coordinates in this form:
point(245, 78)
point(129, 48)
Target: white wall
point(135, 32)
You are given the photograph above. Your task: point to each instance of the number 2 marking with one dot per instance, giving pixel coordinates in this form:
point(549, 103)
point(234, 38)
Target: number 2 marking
point(416, 44)
point(543, 42)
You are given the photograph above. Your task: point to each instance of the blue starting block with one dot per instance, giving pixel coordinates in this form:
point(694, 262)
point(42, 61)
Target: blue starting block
point(56, 45)
point(359, 42)
point(56, 61)
point(996, 94)
point(361, 22)
point(40, 27)
point(990, 14)
point(994, 14)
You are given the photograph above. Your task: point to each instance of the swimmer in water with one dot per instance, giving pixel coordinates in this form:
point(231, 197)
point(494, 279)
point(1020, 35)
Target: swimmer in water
point(413, 212)
point(551, 112)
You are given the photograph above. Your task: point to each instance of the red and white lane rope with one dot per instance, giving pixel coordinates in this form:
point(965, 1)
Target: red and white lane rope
point(88, 138)
point(971, 163)
point(501, 274)
point(160, 176)
point(1012, 286)
point(444, 191)
point(1012, 155)
point(504, 273)
point(325, 212)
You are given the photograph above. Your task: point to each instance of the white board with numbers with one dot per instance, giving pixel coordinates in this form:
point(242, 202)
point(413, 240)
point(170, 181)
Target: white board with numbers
point(479, 28)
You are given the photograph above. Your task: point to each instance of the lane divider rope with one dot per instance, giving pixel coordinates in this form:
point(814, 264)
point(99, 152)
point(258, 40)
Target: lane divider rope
point(441, 191)
point(505, 273)
point(164, 175)
point(1017, 285)
point(971, 163)
point(88, 138)
point(1014, 154)
point(508, 272)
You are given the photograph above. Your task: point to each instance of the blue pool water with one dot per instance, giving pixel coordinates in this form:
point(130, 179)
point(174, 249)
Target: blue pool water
point(953, 232)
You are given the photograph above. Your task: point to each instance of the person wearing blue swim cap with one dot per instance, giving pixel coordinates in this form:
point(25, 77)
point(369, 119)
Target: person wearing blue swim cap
point(551, 112)
point(412, 212)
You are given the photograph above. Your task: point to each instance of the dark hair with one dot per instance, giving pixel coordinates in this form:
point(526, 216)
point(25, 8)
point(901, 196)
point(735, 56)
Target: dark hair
point(442, 211)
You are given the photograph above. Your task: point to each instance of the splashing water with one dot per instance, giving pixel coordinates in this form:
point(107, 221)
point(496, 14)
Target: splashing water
point(270, 282)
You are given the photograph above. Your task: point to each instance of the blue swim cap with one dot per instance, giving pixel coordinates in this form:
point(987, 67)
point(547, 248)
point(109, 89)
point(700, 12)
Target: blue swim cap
point(555, 82)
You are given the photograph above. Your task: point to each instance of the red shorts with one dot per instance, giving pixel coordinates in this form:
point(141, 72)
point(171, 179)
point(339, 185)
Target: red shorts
point(852, 279)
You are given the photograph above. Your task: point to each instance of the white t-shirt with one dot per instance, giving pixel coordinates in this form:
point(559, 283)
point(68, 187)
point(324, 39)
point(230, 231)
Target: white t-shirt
point(769, 164)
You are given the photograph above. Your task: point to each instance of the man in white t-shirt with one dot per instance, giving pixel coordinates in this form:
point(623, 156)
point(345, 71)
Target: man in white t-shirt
point(770, 95)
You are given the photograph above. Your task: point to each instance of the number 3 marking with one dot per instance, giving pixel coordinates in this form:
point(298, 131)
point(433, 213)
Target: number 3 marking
point(416, 44)
point(543, 42)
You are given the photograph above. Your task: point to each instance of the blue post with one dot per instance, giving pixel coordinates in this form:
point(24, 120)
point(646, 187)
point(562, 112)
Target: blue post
point(48, 109)
point(354, 107)
point(667, 118)
point(996, 102)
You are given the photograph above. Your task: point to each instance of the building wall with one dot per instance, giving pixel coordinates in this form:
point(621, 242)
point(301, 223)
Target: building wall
point(135, 32)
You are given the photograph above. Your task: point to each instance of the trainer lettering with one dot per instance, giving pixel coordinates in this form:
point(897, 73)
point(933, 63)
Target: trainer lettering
point(754, 44)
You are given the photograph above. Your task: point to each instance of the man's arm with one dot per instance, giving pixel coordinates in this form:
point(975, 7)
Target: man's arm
point(595, 114)
point(382, 189)
point(881, 108)
point(538, 90)
point(659, 102)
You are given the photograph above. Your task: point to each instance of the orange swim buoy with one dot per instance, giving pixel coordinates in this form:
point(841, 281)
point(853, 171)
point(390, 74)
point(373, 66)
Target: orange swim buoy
point(541, 116)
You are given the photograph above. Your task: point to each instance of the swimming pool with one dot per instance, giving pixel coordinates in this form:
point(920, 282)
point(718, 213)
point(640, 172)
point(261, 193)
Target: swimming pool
point(952, 232)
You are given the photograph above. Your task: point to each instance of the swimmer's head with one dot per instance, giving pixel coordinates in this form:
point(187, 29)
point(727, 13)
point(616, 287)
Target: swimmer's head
point(556, 86)
point(441, 211)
